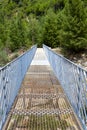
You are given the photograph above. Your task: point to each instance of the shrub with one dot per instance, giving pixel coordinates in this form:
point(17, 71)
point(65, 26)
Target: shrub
point(3, 57)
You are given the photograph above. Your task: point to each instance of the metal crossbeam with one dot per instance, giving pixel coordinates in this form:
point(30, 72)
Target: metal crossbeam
point(42, 111)
point(44, 96)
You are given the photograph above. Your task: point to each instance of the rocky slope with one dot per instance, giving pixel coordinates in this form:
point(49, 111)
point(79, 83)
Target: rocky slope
point(80, 58)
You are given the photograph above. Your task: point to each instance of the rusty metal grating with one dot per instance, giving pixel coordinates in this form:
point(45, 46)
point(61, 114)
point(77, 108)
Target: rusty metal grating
point(41, 122)
point(41, 104)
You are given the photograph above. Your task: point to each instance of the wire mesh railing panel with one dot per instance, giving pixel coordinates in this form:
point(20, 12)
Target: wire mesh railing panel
point(74, 82)
point(11, 77)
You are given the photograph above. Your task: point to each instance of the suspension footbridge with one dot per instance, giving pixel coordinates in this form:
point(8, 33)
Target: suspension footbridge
point(44, 93)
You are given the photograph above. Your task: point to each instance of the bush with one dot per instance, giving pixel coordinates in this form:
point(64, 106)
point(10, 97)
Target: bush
point(3, 57)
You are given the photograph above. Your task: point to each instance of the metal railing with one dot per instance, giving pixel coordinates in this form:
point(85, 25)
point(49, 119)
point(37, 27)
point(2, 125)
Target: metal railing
point(73, 79)
point(11, 77)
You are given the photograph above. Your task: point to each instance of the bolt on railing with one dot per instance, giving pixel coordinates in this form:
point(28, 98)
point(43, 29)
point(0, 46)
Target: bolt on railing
point(11, 77)
point(73, 79)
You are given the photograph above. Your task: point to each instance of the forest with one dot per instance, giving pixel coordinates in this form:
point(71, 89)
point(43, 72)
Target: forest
point(56, 23)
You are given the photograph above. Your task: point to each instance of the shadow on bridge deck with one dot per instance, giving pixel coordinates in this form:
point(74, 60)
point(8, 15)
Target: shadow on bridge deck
point(41, 103)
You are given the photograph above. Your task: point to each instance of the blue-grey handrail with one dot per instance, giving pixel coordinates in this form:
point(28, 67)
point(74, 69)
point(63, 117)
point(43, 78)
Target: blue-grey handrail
point(73, 79)
point(11, 77)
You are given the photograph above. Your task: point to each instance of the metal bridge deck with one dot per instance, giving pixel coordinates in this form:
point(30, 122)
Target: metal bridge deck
point(41, 103)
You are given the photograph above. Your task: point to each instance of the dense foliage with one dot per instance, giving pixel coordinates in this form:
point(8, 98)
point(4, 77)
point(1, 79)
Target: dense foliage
point(74, 26)
point(53, 22)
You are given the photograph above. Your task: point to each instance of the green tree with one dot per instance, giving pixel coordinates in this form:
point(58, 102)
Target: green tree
point(4, 27)
point(73, 33)
point(50, 34)
point(18, 33)
point(34, 30)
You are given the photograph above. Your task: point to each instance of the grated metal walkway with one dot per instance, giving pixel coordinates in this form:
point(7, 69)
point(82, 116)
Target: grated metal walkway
point(41, 103)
